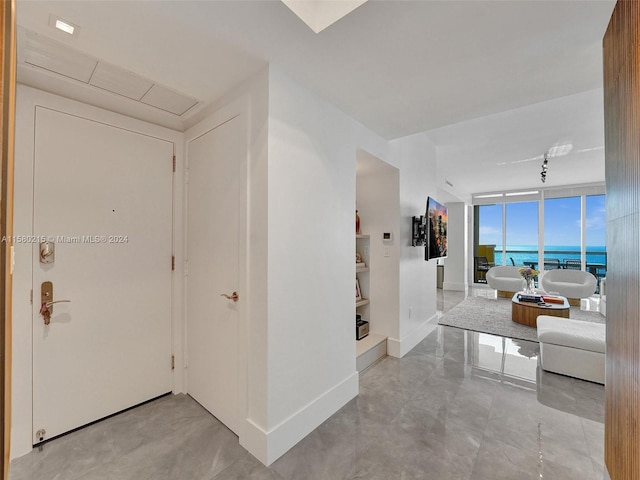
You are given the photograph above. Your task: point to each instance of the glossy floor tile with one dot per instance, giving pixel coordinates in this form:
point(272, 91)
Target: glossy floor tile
point(460, 406)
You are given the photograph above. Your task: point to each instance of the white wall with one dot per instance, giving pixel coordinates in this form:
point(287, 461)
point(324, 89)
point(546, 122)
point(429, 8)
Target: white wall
point(21, 388)
point(311, 244)
point(378, 203)
point(312, 148)
point(455, 265)
point(415, 156)
point(254, 328)
point(404, 305)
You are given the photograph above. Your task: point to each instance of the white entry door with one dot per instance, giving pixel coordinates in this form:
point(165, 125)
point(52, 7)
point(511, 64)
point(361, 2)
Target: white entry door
point(104, 196)
point(212, 250)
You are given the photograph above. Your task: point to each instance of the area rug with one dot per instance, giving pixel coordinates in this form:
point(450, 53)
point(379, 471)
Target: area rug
point(493, 316)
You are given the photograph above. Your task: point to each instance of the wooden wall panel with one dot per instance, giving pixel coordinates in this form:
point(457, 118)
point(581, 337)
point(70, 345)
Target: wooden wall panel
point(622, 152)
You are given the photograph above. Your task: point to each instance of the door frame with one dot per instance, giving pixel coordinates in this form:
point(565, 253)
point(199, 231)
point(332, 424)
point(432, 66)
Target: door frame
point(27, 99)
point(7, 102)
point(238, 108)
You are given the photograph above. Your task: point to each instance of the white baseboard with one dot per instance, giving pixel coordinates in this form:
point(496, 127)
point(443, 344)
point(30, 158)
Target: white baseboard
point(399, 348)
point(268, 446)
point(254, 439)
point(455, 286)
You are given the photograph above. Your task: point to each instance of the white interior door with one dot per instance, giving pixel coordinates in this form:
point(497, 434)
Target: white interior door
point(212, 251)
point(104, 194)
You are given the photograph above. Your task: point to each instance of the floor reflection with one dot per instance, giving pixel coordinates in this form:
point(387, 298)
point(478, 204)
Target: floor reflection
point(516, 362)
point(570, 395)
point(508, 357)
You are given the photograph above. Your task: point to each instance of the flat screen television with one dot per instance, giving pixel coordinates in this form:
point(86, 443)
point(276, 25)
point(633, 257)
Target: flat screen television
point(436, 218)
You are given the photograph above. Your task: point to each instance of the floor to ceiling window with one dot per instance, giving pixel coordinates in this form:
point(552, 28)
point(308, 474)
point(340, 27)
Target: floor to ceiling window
point(562, 233)
point(595, 235)
point(488, 242)
point(488, 234)
point(572, 230)
point(521, 233)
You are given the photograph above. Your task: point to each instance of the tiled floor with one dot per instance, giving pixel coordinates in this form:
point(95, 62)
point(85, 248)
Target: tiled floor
point(461, 405)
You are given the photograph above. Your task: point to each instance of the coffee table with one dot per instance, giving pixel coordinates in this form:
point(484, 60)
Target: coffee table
point(526, 313)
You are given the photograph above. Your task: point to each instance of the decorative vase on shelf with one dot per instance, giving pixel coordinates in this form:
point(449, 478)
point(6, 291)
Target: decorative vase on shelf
point(528, 285)
point(357, 223)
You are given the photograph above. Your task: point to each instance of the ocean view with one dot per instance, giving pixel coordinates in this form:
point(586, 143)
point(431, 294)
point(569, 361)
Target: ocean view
point(525, 254)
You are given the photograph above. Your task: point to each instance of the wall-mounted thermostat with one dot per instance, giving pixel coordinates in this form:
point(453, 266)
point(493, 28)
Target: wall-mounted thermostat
point(387, 237)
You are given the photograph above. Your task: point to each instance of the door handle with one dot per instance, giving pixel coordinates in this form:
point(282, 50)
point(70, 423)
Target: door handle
point(46, 310)
point(47, 302)
point(233, 296)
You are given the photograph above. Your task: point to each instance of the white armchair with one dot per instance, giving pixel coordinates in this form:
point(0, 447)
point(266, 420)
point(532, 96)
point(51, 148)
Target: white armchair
point(505, 279)
point(573, 284)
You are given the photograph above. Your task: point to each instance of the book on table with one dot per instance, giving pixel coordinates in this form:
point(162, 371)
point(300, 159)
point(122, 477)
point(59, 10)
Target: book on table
point(530, 297)
point(552, 299)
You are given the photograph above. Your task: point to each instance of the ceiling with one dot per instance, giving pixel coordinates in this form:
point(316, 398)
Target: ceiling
point(505, 151)
point(462, 70)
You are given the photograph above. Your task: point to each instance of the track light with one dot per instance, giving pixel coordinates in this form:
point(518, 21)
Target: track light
point(545, 167)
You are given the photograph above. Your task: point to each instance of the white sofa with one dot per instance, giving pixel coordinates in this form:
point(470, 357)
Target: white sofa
point(573, 284)
point(505, 279)
point(572, 347)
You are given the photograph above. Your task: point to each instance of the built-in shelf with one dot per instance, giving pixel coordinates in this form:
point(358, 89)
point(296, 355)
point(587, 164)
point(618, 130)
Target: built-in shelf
point(360, 303)
point(362, 248)
point(369, 350)
point(374, 346)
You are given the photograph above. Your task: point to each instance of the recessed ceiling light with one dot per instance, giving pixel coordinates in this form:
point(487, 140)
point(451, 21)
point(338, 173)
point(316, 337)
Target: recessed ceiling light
point(560, 150)
point(63, 25)
point(515, 194)
point(488, 195)
point(582, 150)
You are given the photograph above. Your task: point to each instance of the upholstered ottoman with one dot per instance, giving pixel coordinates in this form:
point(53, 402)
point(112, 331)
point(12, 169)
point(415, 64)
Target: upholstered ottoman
point(572, 347)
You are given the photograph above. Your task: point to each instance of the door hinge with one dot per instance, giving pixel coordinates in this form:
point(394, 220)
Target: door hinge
point(173, 362)
point(174, 163)
point(31, 296)
point(173, 262)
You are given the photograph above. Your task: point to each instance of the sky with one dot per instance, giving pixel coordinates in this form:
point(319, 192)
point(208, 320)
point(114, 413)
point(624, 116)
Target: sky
point(561, 222)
